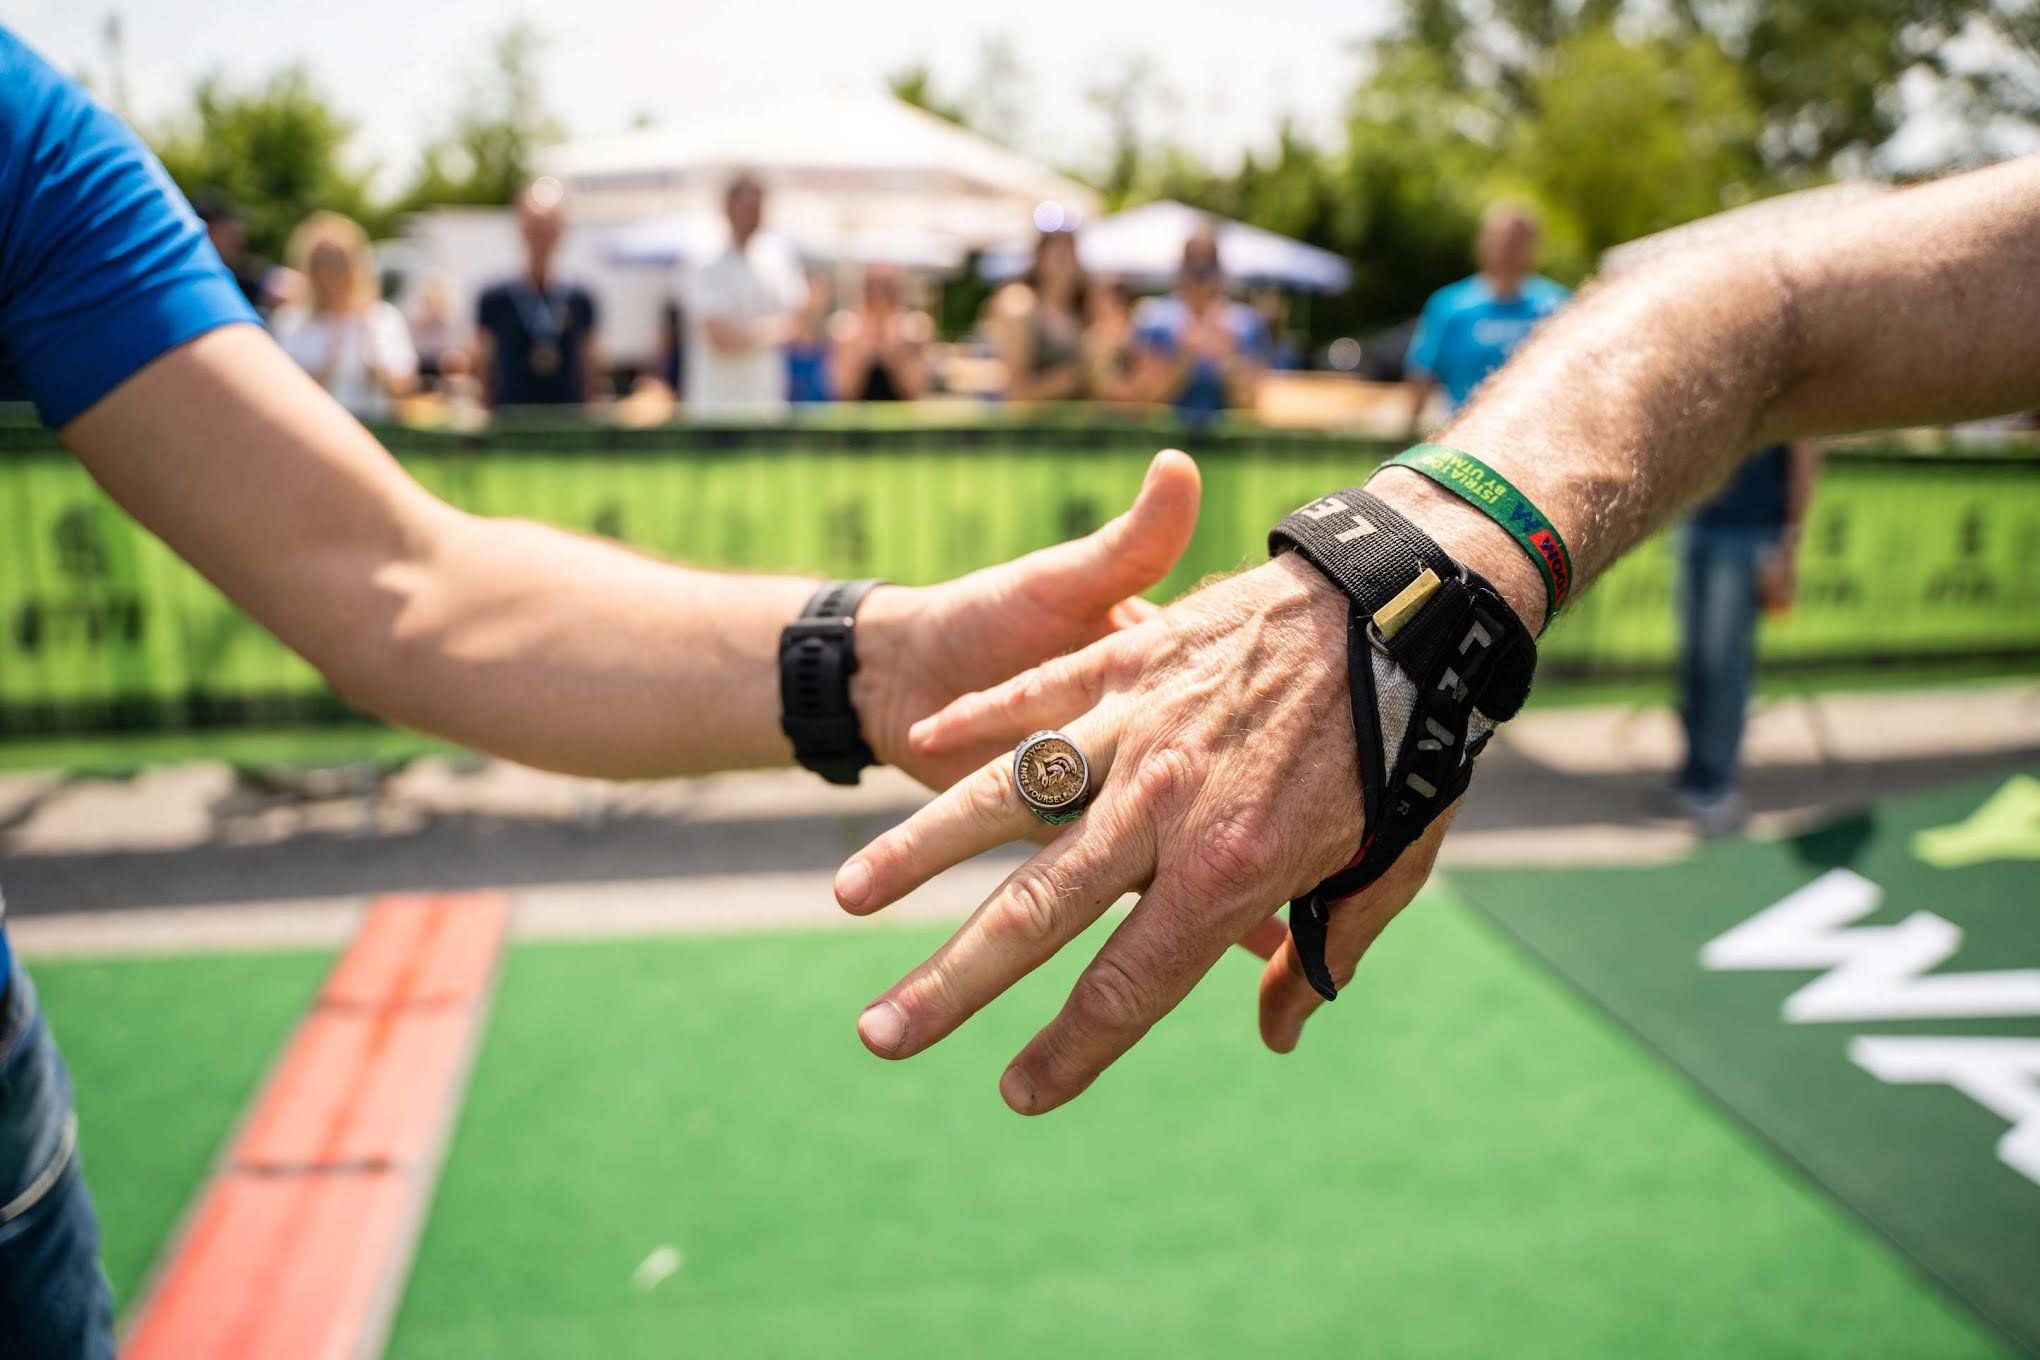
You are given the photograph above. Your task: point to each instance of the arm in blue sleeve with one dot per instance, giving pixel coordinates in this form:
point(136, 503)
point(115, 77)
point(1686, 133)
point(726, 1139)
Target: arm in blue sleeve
point(103, 265)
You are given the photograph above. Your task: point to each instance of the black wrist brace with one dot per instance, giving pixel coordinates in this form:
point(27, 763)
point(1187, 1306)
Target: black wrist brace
point(817, 657)
point(1435, 659)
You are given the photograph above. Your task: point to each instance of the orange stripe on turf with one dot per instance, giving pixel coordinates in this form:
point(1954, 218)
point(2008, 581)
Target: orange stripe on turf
point(301, 1242)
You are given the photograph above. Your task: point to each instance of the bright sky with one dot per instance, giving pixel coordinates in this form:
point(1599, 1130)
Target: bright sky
point(394, 65)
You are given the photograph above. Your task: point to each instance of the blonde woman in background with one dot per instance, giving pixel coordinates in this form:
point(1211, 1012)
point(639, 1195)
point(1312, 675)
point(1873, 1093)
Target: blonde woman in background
point(354, 344)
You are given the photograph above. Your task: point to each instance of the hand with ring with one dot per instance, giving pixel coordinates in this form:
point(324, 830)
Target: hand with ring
point(1219, 779)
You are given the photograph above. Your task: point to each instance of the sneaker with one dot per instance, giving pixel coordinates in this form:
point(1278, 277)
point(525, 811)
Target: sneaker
point(1721, 814)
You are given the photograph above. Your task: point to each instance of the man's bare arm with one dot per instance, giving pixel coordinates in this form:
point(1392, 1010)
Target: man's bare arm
point(1220, 789)
point(518, 639)
point(1419, 386)
point(1913, 308)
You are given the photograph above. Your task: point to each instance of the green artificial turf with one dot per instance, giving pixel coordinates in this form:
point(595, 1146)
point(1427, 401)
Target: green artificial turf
point(1461, 1160)
point(165, 1054)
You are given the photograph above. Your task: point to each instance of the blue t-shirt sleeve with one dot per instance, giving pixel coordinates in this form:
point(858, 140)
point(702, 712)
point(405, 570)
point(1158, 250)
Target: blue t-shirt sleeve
point(1429, 338)
point(103, 265)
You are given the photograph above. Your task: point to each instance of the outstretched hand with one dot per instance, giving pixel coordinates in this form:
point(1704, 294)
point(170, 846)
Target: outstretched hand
point(1220, 739)
point(920, 648)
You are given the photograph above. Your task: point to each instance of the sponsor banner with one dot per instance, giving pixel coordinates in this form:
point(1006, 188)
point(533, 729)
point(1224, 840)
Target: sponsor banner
point(1910, 561)
point(1866, 998)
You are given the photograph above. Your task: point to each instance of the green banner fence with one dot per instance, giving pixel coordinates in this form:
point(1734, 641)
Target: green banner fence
point(1914, 565)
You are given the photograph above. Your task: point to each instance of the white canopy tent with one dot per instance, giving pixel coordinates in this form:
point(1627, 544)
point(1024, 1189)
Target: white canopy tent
point(697, 236)
point(855, 178)
point(1146, 244)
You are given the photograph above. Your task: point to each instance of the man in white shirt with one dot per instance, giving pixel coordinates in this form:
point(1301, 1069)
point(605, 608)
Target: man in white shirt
point(741, 310)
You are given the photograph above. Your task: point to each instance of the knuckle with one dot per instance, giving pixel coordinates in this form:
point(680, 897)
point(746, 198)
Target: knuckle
point(1023, 692)
point(931, 991)
point(1164, 779)
point(1122, 661)
point(890, 853)
point(991, 796)
point(1235, 854)
point(1027, 912)
point(1109, 997)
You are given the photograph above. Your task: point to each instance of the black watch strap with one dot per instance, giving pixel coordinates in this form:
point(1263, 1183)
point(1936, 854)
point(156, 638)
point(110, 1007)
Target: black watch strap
point(817, 657)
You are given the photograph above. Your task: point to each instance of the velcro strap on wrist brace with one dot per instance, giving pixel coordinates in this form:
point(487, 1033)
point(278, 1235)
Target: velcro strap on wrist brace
point(1435, 659)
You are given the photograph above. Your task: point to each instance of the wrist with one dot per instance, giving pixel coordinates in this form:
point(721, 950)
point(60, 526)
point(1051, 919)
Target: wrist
point(1300, 591)
point(1469, 537)
point(880, 637)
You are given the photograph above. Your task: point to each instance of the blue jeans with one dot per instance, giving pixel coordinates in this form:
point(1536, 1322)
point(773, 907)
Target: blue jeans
point(1718, 649)
point(54, 1302)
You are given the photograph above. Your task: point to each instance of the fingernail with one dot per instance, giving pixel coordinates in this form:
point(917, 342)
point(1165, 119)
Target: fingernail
point(883, 1025)
point(1017, 1090)
point(853, 883)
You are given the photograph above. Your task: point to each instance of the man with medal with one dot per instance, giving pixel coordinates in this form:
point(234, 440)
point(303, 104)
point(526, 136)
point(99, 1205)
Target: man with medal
point(536, 332)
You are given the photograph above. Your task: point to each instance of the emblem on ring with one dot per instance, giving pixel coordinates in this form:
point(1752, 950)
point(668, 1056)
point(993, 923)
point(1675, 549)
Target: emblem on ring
point(1052, 775)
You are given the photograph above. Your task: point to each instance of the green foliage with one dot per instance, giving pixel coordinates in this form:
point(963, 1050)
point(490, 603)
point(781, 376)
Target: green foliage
point(915, 85)
point(1822, 73)
point(277, 149)
point(490, 149)
point(1631, 138)
point(993, 103)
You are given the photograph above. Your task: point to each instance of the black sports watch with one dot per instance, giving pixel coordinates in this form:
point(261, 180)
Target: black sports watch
point(817, 657)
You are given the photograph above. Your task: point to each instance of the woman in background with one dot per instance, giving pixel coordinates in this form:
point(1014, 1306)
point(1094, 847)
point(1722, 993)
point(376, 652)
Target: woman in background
point(880, 351)
point(354, 344)
point(1038, 327)
point(1108, 340)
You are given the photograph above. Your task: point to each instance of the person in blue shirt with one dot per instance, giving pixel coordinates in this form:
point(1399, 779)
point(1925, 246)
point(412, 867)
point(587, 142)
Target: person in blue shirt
point(1196, 349)
point(119, 321)
point(1470, 328)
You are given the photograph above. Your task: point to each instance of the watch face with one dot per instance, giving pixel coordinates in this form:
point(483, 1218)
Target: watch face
point(1051, 773)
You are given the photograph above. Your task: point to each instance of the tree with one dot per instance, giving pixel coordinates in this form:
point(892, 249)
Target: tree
point(915, 85)
point(490, 150)
point(277, 149)
point(1631, 138)
point(994, 102)
point(1122, 100)
point(1822, 74)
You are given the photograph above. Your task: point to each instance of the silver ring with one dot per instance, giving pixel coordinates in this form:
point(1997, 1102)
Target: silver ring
point(1053, 777)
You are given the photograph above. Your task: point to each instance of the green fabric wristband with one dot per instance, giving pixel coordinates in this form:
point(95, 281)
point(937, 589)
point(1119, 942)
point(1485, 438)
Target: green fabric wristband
point(1480, 486)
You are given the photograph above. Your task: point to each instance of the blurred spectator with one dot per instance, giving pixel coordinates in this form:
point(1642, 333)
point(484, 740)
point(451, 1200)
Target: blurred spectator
point(432, 330)
point(880, 351)
point(1037, 327)
point(354, 344)
point(807, 353)
point(1285, 350)
point(670, 366)
point(1196, 349)
point(535, 334)
point(260, 281)
point(740, 309)
point(1469, 329)
point(1739, 554)
point(1108, 340)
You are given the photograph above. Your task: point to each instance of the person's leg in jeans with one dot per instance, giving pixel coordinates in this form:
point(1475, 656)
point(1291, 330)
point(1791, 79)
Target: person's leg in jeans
point(1718, 658)
point(54, 1301)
